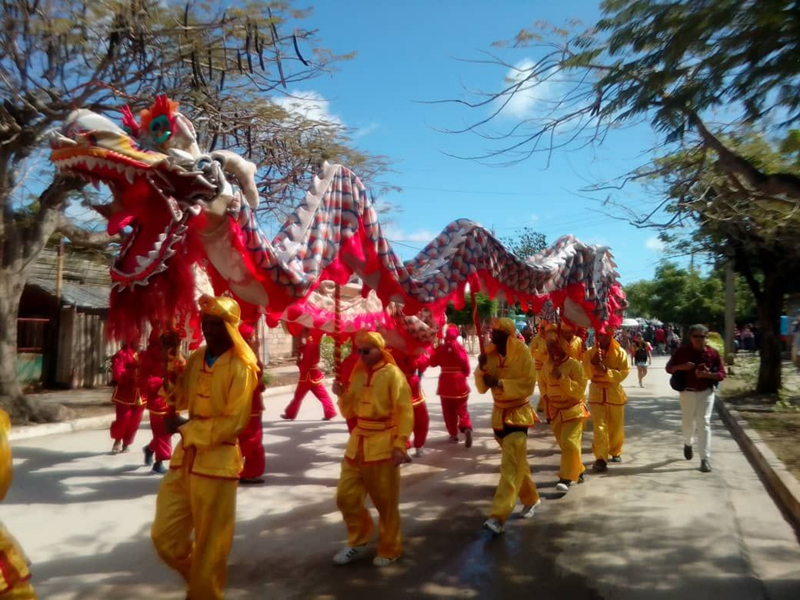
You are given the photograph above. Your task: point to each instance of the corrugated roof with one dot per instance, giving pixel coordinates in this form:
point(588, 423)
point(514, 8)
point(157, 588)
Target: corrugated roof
point(81, 296)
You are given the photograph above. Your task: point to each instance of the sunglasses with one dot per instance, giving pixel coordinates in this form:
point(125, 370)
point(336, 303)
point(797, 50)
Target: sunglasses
point(364, 351)
point(699, 337)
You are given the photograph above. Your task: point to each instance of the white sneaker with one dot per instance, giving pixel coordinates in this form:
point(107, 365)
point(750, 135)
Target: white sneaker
point(562, 487)
point(418, 452)
point(494, 525)
point(348, 554)
point(382, 561)
point(528, 510)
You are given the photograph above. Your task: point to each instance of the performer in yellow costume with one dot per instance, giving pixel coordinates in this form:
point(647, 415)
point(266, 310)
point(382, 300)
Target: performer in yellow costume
point(378, 397)
point(14, 573)
point(539, 353)
point(574, 344)
point(507, 369)
point(199, 492)
point(564, 383)
point(606, 364)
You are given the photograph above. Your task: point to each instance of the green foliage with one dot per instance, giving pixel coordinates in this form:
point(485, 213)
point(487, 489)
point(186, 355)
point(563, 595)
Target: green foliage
point(326, 350)
point(685, 297)
point(487, 308)
point(525, 242)
point(266, 378)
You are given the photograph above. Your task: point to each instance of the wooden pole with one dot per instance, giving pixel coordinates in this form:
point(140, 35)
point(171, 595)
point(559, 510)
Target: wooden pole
point(476, 319)
point(730, 310)
point(337, 334)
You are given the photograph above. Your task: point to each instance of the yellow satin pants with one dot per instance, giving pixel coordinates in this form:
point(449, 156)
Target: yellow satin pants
point(609, 429)
point(14, 571)
point(381, 481)
point(515, 477)
point(206, 506)
point(568, 434)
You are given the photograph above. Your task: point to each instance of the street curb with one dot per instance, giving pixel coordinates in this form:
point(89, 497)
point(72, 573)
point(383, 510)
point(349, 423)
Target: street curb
point(32, 431)
point(783, 486)
point(102, 422)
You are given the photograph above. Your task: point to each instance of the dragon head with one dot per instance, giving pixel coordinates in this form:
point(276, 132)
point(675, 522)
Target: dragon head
point(159, 182)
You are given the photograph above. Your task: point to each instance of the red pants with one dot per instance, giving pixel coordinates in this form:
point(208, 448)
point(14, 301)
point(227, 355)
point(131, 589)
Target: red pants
point(161, 444)
point(421, 422)
point(252, 447)
point(456, 415)
point(127, 422)
point(318, 389)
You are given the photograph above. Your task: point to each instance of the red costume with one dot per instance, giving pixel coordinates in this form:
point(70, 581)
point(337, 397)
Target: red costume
point(153, 370)
point(251, 439)
point(453, 387)
point(412, 367)
point(310, 381)
point(128, 399)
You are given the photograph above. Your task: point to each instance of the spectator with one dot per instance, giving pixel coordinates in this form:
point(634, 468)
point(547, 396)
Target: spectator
point(703, 369)
point(642, 356)
point(661, 341)
point(748, 340)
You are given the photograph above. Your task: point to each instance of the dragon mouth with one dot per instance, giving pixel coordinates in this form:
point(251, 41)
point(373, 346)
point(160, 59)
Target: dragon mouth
point(96, 150)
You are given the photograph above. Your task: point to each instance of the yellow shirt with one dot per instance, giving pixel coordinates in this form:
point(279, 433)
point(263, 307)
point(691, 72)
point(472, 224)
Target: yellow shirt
point(607, 387)
point(539, 352)
point(218, 399)
point(380, 398)
point(517, 379)
point(13, 561)
point(575, 348)
point(565, 394)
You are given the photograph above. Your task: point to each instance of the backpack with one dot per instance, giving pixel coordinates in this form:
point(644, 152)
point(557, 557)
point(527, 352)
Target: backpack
point(640, 354)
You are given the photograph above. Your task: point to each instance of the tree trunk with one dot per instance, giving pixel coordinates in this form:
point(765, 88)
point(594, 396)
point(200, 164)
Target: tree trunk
point(12, 399)
point(770, 308)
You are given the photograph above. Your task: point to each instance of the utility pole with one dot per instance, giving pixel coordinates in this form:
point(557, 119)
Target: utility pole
point(730, 306)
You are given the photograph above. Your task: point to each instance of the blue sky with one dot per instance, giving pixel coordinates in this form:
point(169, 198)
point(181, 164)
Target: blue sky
point(409, 52)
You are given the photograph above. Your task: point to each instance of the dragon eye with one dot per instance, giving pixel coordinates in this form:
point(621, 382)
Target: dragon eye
point(160, 129)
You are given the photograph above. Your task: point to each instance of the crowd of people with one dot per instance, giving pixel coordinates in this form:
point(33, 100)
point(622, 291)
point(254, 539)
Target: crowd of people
point(219, 389)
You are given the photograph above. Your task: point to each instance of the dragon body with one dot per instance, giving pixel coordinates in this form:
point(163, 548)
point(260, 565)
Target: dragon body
point(186, 213)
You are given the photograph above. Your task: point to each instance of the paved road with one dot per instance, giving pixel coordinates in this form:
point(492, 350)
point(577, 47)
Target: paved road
point(653, 527)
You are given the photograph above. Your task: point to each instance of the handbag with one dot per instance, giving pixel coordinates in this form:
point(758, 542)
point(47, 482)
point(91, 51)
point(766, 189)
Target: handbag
point(678, 381)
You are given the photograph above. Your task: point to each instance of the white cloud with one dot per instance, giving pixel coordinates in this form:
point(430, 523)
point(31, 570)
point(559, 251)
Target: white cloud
point(393, 234)
point(534, 218)
point(654, 244)
point(365, 131)
point(523, 103)
point(310, 105)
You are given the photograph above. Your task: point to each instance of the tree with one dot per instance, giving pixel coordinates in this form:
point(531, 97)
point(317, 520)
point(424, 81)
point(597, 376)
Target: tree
point(487, 308)
point(674, 65)
point(525, 242)
point(225, 68)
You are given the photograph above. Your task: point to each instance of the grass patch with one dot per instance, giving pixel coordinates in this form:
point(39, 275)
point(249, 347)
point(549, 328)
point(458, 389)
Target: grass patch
point(776, 417)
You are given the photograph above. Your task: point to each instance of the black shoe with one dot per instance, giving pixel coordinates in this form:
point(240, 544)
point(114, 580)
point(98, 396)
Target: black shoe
point(688, 453)
point(468, 438)
point(616, 459)
point(148, 456)
point(251, 480)
point(600, 466)
point(581, 478)
point(563, 485)
point(705, 466)
point(159, 468)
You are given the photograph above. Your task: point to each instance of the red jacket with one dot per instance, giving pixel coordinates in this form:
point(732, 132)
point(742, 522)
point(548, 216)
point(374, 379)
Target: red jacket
point(152, 367)
point(126, 373)
point(412, 367)
point(708, 358)
point(308, 361)
point(453, 360)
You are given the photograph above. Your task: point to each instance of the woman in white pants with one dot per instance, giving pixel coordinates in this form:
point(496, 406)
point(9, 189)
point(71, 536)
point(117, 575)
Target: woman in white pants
point(701, 368)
